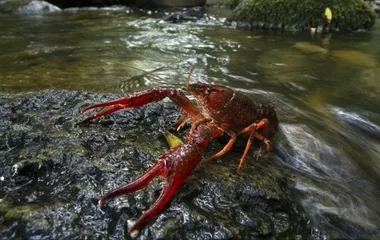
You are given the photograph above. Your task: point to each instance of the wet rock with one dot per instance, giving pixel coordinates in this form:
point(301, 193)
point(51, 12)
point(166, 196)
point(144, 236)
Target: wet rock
point(38, 7)
point(27, 7)
point(351, 15)
point(191, 14)
point(54, 171)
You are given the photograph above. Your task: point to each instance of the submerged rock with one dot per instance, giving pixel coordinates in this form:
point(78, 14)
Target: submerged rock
point(310, 48)
point(53, 173)
point(354, 57)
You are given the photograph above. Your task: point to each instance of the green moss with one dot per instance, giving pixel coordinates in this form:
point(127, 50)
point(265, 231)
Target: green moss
point(19, 211)
point(348, 15)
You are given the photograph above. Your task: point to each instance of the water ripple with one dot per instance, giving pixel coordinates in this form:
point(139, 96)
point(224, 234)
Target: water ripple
point(356, 120)
point(313, 155)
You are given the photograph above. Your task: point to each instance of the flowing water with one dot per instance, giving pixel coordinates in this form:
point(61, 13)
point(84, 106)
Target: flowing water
point(326, 89)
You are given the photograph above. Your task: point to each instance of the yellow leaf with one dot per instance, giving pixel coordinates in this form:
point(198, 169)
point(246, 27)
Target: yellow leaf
point(328, 14)
point(172, 140)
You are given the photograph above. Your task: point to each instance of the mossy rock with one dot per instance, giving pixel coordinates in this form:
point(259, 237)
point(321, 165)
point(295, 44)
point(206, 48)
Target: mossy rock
point(349, 15)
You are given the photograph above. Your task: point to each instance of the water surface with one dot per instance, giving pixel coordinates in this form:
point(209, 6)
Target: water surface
point(325, 88)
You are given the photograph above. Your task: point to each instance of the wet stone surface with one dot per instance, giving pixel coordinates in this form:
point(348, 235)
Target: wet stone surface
point(53, 173)
point(192, 14)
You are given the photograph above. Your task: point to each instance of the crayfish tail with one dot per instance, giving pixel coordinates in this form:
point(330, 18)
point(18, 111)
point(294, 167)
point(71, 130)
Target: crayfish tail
point(137, 184)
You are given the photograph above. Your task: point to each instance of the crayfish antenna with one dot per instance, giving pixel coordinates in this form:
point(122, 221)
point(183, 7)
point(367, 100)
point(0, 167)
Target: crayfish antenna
point(189, 76)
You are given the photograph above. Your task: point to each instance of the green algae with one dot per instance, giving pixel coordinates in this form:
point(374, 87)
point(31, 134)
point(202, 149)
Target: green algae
point(348, 15)
point(20, 211)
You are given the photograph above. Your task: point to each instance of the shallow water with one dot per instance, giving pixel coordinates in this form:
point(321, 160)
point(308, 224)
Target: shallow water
point(325, 88)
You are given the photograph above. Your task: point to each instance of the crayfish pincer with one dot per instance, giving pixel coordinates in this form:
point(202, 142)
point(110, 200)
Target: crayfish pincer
point(220, 110)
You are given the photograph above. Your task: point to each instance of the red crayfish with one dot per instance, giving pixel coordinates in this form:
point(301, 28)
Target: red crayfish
point(219, 110)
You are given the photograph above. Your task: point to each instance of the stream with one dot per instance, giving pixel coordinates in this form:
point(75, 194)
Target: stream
point(325, 89)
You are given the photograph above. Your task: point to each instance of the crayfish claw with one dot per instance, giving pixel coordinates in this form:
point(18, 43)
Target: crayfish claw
point(166, 195)
point(137, 184)
point(172, 168)
point(102, 113)
point(120, 101)
point(220, 110)
point(108, 108)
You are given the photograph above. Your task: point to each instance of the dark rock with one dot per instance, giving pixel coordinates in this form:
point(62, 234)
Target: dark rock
point(192, 14)
point(54, 171)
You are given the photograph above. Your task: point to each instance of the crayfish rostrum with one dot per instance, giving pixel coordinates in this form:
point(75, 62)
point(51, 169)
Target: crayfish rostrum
point(220, 110)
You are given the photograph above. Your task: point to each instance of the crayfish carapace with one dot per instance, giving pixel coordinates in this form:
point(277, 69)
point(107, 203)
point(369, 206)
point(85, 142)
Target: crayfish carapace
point(220, 110)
